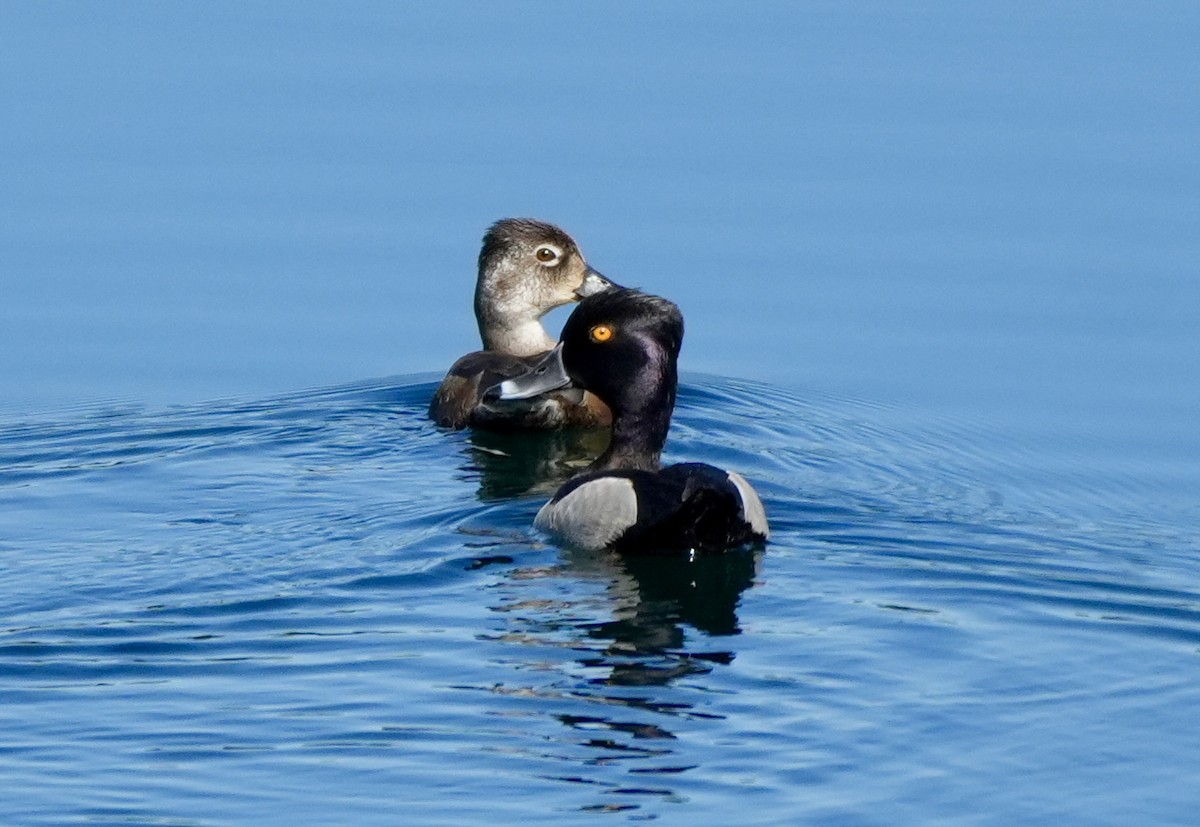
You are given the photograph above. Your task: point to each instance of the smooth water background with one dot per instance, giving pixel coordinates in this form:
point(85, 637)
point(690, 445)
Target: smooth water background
point(939, 269)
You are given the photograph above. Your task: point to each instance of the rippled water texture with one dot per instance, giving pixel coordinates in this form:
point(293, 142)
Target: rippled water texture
point(948, 250)
point(321, 609)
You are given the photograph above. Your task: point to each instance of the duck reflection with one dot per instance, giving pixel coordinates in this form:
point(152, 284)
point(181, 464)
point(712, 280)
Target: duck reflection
point(651, 603)
point(657, 599)
point(520, 463)
point(665, 618)
point(614, 650)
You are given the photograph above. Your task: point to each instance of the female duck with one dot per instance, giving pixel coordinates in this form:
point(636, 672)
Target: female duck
point(623, 346)
point(526, 269)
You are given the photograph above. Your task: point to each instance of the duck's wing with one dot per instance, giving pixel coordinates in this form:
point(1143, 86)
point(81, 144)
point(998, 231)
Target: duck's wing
point(462, 390)
point(694, 507)
point(459, 400)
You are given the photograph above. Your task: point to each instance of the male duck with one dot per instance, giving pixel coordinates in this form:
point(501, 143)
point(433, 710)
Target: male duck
point(526, 269)
point(623, 346)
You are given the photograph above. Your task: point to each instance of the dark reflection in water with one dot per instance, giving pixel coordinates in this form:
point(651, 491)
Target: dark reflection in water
point(663, 595)
point(515, 464)
point(669, 592)
point(621, 688)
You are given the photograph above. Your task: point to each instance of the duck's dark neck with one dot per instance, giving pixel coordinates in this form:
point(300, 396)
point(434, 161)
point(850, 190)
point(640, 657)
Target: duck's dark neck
point(641, 419)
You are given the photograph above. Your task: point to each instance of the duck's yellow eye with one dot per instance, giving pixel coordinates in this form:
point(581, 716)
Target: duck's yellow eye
point(601, 333)
point(546, 254)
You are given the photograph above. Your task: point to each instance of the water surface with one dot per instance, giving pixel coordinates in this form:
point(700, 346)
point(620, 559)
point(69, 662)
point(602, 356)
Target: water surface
point(320, 606)
point(938, 266)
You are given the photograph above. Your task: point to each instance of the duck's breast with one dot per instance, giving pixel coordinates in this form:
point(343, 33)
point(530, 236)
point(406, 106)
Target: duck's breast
point(591, 513)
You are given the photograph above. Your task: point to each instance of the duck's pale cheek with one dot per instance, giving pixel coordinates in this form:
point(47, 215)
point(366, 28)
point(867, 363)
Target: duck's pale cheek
point(594, 515)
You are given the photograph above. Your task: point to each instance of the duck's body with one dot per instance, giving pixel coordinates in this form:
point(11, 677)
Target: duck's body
point(690, 505)
point(623, 346)
point(526, 269)
point(459, 402)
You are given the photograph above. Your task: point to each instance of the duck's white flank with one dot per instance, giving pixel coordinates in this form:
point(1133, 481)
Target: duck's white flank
point(593, 515)
point(752, 507)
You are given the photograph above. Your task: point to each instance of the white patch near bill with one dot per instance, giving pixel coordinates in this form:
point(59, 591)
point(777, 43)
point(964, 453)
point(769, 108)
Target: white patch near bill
point(593, 515)
point(752, 507)
point(510, 390)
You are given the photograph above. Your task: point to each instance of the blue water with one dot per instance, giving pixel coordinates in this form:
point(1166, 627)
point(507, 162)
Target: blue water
point(320, 607)
point(938, 267)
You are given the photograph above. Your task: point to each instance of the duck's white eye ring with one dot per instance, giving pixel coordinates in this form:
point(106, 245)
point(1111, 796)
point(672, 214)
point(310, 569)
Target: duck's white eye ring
point(547, 254)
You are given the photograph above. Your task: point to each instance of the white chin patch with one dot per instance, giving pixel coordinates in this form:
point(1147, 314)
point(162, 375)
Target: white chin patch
point(592, 516)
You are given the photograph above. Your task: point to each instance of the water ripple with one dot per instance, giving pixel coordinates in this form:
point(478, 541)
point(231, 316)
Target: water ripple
point(324, 591)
